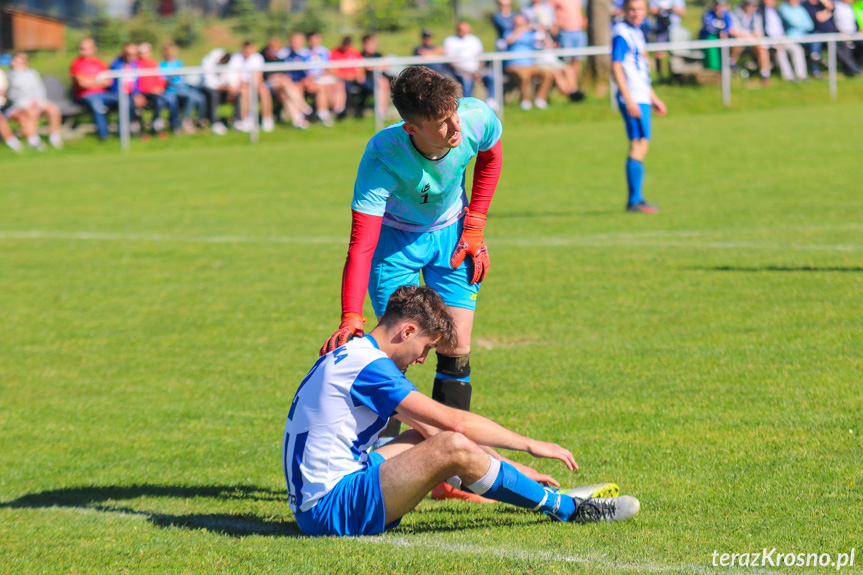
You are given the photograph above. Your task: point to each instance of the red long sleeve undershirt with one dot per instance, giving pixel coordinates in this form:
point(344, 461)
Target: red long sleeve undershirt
point(366, 229)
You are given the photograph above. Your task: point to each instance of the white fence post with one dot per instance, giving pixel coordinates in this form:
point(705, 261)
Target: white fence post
point(497, 72)
point(379, 119)
point(831, 68)
point(123, 110)
point(254, 127)
point(725, 54)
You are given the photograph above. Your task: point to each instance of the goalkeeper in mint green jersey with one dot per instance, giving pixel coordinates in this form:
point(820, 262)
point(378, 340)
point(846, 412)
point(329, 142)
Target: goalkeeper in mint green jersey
point(411, 215)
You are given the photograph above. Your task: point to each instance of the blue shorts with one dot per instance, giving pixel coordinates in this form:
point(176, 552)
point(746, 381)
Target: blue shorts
point(637, 128)
point(401, 255)
point(572, 39)
point(355, 506)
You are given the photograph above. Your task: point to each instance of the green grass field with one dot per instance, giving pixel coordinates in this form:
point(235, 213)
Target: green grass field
point(159, 309)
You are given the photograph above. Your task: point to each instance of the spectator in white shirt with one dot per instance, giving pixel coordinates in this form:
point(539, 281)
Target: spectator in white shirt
point(30, 102)
point(846, 23)
point(465, 45)
point(249, 76)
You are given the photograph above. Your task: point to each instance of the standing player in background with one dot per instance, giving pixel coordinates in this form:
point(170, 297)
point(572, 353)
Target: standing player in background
point(635, 97)
point(410, 214)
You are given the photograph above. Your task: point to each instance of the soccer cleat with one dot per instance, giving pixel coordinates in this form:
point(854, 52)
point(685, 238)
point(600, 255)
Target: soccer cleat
point(594, 510)
point(642, 208)
point(444, 490)
point(598, 490)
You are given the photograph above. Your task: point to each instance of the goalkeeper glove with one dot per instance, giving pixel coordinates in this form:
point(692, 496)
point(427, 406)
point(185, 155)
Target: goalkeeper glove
point(472, 243)
point(351, 326)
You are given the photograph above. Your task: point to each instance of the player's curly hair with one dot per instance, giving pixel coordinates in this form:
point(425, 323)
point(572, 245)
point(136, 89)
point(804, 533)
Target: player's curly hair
point(420, 93)
point(423, 305)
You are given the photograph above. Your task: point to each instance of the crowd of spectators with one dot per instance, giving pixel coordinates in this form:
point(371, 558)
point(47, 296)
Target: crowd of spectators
point(791, 19)
point(164, 103)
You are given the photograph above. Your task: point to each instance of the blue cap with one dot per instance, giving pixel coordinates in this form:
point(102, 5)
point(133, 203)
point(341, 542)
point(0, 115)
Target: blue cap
point(5, 59)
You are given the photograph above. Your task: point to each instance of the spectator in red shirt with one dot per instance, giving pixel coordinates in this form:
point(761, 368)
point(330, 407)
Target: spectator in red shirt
point(348, 77)
point(90, 90)
point(153, 88)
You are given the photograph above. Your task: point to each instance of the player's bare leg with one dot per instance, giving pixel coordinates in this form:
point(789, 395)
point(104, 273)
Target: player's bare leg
point(638, 149)
point(408, 477)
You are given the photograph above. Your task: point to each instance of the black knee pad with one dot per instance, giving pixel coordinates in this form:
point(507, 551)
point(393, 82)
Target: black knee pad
point(449, 390)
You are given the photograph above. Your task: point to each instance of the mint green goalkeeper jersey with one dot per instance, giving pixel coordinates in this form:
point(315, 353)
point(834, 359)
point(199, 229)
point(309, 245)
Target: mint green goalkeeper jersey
point(414, 193)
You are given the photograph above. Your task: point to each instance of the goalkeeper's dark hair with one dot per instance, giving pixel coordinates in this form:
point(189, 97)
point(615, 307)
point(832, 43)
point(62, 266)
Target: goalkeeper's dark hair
point(422, 305)
point(420, 93)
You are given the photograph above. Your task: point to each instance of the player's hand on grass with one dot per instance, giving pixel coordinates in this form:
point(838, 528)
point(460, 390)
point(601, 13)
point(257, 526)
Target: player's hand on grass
point(352, 326)
point(472, 243)
point(552, 451)
point(633, 109)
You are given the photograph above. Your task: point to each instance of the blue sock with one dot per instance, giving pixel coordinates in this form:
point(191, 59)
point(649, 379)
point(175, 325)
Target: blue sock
point(634, 180)
point(505, 483)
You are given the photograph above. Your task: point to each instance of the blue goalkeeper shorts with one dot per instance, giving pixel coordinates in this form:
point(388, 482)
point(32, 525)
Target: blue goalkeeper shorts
point(355, 506)
point(400, 257)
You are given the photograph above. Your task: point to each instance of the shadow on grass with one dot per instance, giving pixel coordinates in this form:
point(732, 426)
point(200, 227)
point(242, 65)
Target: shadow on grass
point(107, 499)
point(849, 269)
point(104, 498)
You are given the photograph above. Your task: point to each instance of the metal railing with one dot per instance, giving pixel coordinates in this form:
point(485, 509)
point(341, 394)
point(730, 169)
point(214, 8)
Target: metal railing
point(378, 66)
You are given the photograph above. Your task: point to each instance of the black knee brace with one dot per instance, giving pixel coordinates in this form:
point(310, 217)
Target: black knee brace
point(449, 390)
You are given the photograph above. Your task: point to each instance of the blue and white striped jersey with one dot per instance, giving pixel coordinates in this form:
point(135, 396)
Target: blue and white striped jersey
point(337, 414)
point(629, 47)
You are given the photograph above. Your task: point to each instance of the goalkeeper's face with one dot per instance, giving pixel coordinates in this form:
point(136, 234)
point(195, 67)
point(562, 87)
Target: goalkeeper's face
point(440, 134)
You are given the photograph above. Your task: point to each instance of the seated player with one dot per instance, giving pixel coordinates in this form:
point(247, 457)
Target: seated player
point(337, 486)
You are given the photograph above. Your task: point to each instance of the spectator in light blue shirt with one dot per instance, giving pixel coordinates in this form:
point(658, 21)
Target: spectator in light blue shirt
point(523, 39)
point(190, 98)
point(796, 19)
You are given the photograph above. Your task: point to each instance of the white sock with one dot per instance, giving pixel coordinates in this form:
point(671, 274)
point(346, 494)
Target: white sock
point(484, 483)
point(34, 141)
point(55, 139)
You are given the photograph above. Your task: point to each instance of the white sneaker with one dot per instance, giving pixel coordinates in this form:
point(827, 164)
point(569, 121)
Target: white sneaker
point(324, 117)
point(219, 129)
point(242, 126)
point(56, 140)
point(14, 144)
point(594, 510)
point(35, 142)
point(492, 103)
point(268, 125)
point(159, 124)
point(526, 104)
point(598, 490)
point(541, 104)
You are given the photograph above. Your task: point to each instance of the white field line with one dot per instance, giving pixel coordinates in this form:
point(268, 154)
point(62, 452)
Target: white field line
point(655, 238)
point(512, 553)
point(551, 557)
